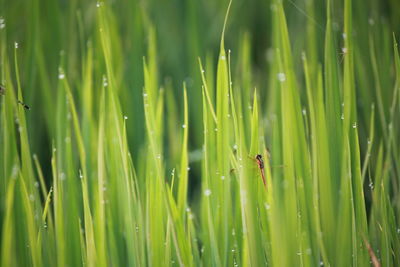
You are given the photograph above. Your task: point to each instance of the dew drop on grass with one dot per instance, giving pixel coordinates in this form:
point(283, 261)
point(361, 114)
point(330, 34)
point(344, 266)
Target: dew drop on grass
point(344, 35)
point(281, 77)
point(235, 147)
point(207, 192)
point(354, 125)
point(62, 176)
point(2, 23)
point(267, 206)
point(183, 125)
point(371, 185)
point(144, 94)
point(98, 4)
point(31, 197)
point(216, 129)
point(36, 184)
point(344, 50)
point(304, 111)
point(223, 57)
point(222, 177)
point(188, 168)
point(371, 21)
point(61, 76)
point(125, 117)
point(16, 45)
point(342, 117)
point(105, 82)
point(321, 263)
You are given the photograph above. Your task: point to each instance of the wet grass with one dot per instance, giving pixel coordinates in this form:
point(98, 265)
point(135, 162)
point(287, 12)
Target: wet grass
point(145, 118)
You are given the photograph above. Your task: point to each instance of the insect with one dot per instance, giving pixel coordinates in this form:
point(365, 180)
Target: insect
point(3, 92)
point(260, 164)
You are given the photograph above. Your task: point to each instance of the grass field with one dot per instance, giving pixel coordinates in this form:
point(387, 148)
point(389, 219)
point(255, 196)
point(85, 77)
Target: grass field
point(129, 131)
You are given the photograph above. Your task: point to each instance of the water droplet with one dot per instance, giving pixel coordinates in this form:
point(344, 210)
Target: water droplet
point(2, 23)
point(342, 117)
point(222, 177)
point(188, 168)
point(207, 192)
point(80, 174)
point(223, 57)
point(145, 94)
point(31, 197)
point(183, 125)
point(354, 125)
point(187, 209)
point(321, 263)
point(36, 184)
point(98, 4)
point(105, 82)
point(344, 35)
point(61, 76)
point(216, 129)
point(62, 176)
point(344, 50)
point(371, 21)
point(281, 77)
point(299, 253)
point(202, 71)
point(304, 111)
point(369, 142)
point(267, 206)
point(16, 45)
point(371, 185)
point(125, 117)
point(235, 147)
